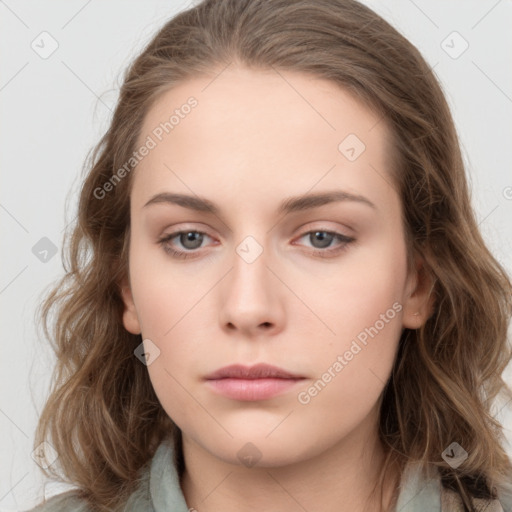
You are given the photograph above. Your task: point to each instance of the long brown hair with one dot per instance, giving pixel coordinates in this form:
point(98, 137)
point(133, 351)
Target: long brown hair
point(102, 415)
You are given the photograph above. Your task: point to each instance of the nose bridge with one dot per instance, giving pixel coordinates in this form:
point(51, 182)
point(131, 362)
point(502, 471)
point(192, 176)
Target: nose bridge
point(249, 297)
point(250, 273)
point(251, 248)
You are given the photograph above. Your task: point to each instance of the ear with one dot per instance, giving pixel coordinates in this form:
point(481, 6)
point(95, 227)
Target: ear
point(418, 301)
point(130, 319)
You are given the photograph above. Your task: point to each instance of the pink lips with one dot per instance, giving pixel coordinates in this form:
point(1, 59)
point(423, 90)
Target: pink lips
point(258, 382)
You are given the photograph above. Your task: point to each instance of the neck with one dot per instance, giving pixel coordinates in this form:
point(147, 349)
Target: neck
point(340, 478)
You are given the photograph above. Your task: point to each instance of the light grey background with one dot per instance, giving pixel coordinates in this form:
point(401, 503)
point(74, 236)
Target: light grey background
point(55, 109)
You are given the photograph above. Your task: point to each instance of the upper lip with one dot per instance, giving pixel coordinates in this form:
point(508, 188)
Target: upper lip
point(258, 371)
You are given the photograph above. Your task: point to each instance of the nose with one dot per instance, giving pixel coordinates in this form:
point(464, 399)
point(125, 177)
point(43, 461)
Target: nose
point(250, 300)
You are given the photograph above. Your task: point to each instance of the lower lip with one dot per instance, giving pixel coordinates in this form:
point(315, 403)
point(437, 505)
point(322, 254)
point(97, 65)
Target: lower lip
point(252, 389)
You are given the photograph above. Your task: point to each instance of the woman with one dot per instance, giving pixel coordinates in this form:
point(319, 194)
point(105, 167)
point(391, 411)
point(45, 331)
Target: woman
point(277, 295)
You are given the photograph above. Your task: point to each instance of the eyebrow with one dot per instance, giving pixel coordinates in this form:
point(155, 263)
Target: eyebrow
point(289, 205)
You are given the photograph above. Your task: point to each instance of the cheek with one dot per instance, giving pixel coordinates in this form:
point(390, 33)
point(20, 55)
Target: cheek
point(366, 286)
point(163, 291)
point(169, 319)
point(175, 314)
point(362, 305)
point(353, 365)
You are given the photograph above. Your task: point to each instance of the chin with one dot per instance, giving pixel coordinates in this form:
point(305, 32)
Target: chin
point(260, 451)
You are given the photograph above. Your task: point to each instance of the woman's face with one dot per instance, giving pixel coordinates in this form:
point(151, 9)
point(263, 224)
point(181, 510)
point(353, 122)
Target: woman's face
point(268, 274)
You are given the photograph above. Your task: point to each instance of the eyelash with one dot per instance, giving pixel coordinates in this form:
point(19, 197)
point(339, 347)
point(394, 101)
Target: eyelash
point(346, 240)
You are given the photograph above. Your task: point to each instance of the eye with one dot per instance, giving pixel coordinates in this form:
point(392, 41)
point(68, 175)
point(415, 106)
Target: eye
point(190, 240)
point(322, 241)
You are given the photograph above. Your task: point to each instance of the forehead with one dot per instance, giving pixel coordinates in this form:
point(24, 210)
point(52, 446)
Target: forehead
point(261, 128)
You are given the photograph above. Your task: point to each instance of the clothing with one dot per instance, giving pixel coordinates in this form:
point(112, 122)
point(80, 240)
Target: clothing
point(418, 494)
point(159, 491)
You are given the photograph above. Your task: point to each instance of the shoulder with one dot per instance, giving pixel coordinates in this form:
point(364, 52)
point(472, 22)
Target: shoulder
point(452, 502)
point(68, 501)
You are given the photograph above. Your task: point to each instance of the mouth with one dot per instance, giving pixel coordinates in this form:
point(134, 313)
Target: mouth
point(252, 389)
point(259, 382)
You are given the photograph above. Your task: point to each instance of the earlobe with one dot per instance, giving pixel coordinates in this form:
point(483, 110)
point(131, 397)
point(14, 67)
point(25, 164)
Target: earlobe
point(419, 301)
point(130, 319)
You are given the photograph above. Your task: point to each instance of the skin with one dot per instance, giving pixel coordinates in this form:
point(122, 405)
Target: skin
point(255, 138)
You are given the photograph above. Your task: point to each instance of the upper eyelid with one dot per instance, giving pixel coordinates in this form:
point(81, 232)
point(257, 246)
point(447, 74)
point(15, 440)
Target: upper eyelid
point(182, 231)
point(305, 231)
